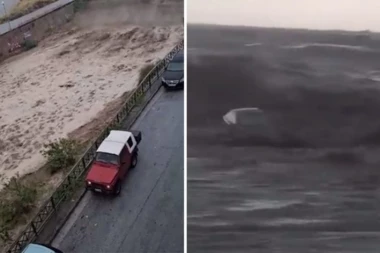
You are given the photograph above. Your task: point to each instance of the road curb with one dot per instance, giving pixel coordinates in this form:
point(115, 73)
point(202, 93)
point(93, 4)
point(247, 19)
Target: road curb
point(63, 222)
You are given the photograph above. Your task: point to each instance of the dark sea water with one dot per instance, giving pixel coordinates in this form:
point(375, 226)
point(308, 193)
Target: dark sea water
point(313, 183)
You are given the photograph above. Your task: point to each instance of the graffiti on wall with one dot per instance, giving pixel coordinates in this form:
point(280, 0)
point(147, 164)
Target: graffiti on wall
point(15, 44)
point(27, 35)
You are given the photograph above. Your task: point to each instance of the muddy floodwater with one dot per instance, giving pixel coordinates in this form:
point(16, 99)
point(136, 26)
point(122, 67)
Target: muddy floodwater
point(311, 183)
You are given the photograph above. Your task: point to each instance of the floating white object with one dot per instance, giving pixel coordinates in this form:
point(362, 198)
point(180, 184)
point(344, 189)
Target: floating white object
point(253, 44)
point(235, 116)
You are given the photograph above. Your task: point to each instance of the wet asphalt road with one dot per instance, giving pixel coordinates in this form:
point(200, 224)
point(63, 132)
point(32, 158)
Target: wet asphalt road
point(148, 215)
point(314, 185)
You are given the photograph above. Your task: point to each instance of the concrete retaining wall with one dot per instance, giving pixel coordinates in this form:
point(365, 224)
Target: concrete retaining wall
point(12, 41)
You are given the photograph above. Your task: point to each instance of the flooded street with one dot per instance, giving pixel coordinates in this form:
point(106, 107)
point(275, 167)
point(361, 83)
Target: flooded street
point(313, 183)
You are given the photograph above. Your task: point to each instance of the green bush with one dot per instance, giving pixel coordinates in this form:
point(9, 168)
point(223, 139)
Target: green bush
point(60, 154)
point(80, 5)
point(18, 201)
point(24, 193)
point(144, 71)
point(29, 44)
point(4, 234)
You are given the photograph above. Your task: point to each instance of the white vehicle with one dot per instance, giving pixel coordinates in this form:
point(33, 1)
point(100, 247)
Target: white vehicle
point(250, 123)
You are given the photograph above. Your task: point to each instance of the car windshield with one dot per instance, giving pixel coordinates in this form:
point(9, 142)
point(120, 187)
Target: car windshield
point(107, 158)
point(175, 66)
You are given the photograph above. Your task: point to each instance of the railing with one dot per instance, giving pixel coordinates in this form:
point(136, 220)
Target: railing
point(75, 177)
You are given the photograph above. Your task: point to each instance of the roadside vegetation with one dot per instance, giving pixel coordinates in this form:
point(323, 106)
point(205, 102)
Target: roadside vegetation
point(21, 197)
point(145, 70)
point(24, 7)
point(17, 200)
point(61, 154)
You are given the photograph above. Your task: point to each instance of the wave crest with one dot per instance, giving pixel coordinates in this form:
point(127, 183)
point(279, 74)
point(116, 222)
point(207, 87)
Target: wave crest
point(329, 45)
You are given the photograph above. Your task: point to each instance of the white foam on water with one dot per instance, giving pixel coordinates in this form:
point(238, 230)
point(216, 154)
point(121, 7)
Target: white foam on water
point(371, 75)
point(374, 75)
point(312, 193)
point(294, 221)
point(210, 223)
point(348, 234)
point(200, 216)
point(307, 45)
point(254, 205)
point(252, 44)
point(200, 161)
point(198, 179)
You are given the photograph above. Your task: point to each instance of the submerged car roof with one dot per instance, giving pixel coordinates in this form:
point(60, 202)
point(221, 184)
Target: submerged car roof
point(114, 142)
point(36, 248)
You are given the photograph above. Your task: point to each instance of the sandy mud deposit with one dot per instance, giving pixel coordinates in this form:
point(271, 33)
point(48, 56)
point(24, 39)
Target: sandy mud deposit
point(67, 82)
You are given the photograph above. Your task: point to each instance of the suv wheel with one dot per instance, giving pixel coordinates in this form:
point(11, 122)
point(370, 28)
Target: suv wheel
point(134, 161)
point(117, 188)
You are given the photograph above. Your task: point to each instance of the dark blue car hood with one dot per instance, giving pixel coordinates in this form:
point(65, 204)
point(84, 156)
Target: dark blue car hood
point(173, 75)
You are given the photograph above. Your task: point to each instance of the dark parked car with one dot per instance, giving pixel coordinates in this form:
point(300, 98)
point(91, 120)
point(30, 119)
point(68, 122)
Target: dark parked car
point(174, 73)
point(40, 248)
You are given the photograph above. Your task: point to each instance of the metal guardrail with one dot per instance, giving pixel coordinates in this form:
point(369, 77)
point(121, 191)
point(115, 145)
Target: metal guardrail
point(76, 174)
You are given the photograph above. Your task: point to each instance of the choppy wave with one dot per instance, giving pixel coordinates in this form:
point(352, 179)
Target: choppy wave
point(254, 205)
point(342, 156)
point(295, 221)
point(211, 224)
point(329, 45)
point(253, 44)
point(372, 76)
point(200, 216)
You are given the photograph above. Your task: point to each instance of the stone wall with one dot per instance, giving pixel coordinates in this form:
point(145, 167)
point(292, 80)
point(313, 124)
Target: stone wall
point(12, 42)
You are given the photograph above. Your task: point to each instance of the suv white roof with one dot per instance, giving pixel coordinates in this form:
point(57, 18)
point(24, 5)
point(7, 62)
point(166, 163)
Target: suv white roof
point(114, 142)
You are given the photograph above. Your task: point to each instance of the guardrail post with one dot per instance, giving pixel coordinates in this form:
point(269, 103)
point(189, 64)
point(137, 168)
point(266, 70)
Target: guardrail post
point(53, 203)
point(19, 245)
point(84, 164)
point(34, 229)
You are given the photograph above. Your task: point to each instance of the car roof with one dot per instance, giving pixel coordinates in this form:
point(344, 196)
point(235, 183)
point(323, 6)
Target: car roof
point(36, 248)
point(115, 142)
point(179, 57)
